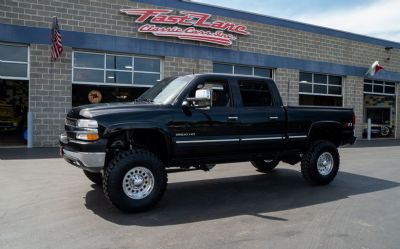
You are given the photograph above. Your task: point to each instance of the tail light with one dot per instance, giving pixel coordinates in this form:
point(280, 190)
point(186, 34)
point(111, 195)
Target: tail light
point(354, 120)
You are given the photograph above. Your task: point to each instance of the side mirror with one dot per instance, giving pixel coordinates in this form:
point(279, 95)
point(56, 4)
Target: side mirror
point(201, 100)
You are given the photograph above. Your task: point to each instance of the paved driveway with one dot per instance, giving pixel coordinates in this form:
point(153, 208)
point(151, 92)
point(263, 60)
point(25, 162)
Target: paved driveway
point(45, 203)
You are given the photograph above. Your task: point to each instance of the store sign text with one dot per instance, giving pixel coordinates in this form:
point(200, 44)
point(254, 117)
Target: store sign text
point(186, 26)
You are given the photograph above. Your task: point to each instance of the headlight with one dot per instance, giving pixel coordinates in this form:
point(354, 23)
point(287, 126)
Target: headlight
point(87, 123)
point(88, 130)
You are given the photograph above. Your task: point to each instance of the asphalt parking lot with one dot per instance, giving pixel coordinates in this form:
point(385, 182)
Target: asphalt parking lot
point(45, 203)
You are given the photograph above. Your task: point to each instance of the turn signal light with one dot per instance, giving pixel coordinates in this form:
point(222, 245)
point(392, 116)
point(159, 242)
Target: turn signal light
point(87, 136)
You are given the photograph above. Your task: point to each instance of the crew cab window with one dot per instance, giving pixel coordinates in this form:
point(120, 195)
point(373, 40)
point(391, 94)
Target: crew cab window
point(255, 93)
point(220, 92)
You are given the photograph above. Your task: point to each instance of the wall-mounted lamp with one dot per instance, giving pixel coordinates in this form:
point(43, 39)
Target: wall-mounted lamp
point(388, 50)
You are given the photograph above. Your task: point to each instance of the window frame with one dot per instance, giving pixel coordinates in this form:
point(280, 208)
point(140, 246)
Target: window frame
point(105, 69)
point(214, 80)
point(313, 83)
point(27, 63)
point(372, 84)
point(267, 84)
point(243, 65)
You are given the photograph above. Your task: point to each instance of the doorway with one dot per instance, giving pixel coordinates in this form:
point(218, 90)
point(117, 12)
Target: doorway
point(14, 95)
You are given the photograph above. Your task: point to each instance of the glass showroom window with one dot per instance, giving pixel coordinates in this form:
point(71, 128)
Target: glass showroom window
point(379, 106)
point(14, 62)
point(109, 69)
point(320, 89)
point(379, 87)
point(242, 69)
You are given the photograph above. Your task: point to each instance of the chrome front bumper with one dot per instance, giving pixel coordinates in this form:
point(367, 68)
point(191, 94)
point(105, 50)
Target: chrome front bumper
point(90, 161)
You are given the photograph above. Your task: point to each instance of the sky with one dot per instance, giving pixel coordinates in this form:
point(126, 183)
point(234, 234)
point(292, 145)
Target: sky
point(376, 18)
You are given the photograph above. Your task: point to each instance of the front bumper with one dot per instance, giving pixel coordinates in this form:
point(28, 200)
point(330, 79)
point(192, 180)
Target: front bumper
point(85, 159)
point(90, 161)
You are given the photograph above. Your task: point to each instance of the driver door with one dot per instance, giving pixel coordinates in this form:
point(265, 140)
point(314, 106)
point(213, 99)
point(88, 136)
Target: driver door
point(207, 132)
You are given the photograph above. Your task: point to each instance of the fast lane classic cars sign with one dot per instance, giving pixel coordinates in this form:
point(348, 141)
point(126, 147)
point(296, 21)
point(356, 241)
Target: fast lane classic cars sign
point(186, 26)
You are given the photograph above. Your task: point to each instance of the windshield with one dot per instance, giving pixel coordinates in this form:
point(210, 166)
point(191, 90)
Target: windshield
point(165, 91)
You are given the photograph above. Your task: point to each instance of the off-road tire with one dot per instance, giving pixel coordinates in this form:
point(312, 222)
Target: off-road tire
point(114, 175)
point(264, 166)
point(96, 178)
point(309, 167)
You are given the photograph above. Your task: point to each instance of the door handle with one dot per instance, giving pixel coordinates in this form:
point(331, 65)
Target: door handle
point(232, 118)
point(273, 117)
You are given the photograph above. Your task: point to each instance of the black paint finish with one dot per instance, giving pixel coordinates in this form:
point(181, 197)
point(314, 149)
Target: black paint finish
point(221, 134)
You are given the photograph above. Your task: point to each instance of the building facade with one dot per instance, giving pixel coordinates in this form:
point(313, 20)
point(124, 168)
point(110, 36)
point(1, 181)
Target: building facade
point(115, 50)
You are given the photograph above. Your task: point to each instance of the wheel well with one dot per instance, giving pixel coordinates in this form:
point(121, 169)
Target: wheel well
point(150, 139)
point(329, 132)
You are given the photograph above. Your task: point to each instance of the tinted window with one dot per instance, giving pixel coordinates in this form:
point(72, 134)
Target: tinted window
point(335, 90)
point(119, 62)
point(378, 89)
point(223, 68)
point(87, 75)
point(13, 70)
point(220, 92)
point(89, 60)
point(255, 93)
point(335, 80)
point(119, 77)
point(320, 89)
point(367, 88)
point(118, 69)
point(305, 88)
point(306, 77)
point(390, 90)
point(378, 86)
point(147, 65)
point(243, 70)
point(262, 72)
point(13, 53)
point(145, 78)
point(320, 78)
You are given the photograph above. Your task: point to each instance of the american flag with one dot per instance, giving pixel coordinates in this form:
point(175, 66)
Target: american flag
point(56, 41)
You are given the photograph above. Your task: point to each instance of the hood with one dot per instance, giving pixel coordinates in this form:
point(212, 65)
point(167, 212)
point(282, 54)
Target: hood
point(94, 110)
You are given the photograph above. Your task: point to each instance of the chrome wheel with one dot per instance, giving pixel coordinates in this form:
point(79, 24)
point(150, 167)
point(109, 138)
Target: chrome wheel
point(138, 183)
point(325, 163)
point(385, 131)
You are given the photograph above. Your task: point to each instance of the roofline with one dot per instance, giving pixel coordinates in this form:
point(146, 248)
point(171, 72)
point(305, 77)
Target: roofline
point(265, 19)
point(231, 75)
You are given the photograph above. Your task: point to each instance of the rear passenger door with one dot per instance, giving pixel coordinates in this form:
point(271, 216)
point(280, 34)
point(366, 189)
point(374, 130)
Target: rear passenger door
point(262, 118)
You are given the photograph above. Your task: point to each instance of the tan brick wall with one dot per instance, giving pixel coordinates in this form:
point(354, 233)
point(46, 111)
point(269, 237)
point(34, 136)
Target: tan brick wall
point(50, 94)
point(103, 17)
point(353, 97)
point(181, 66)
point(50, 84)
point(287, 81)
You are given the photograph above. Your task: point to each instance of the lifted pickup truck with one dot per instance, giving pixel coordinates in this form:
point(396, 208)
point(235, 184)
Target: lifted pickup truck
point(194, 122)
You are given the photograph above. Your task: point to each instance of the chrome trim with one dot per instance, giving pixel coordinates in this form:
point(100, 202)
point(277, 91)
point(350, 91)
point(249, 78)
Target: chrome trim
point(208, 141)
point(261, 138)
point(302, 136)
point(229, 140)
point(64, 138)
point(231, 118)
point(85, 159)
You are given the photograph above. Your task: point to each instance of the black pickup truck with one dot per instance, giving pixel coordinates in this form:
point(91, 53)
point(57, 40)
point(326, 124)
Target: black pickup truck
point(194, 122)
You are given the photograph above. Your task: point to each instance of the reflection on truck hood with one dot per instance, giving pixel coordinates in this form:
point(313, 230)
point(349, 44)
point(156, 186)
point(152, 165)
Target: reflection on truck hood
point(91, 111)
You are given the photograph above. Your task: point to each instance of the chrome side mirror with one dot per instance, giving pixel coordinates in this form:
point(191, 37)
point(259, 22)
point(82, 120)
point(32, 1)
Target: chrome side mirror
point(201, 100)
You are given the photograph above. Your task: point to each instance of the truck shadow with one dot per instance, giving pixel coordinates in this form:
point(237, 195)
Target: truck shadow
point(257, 195)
